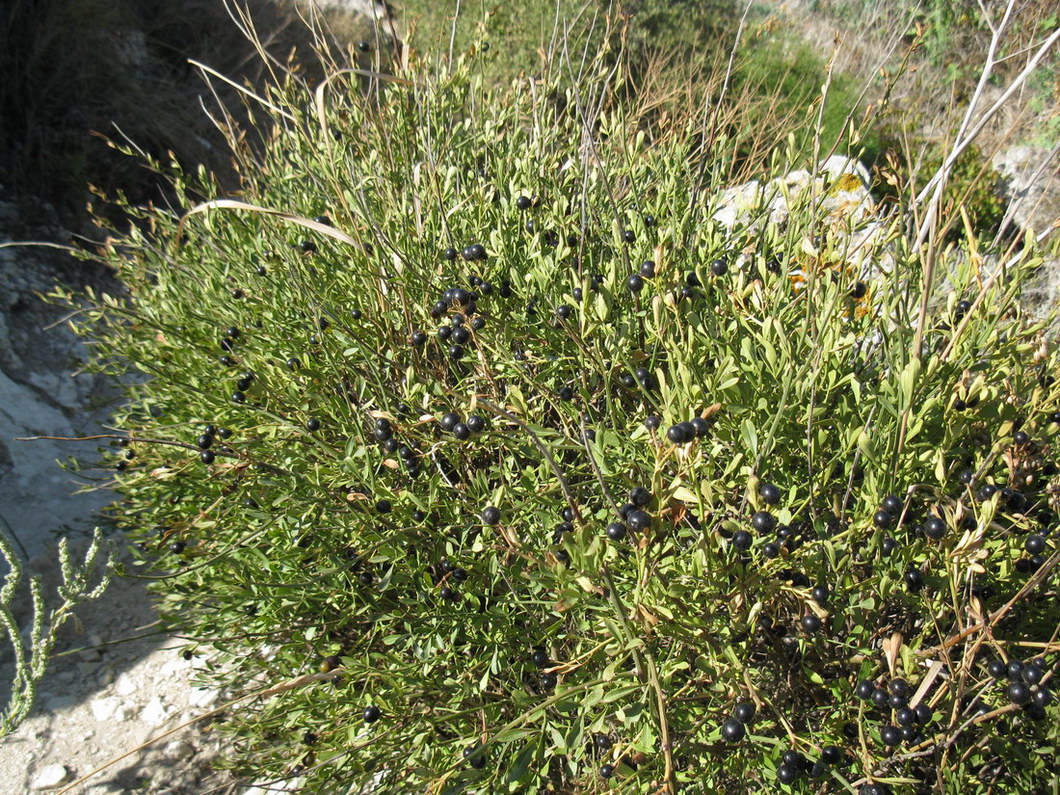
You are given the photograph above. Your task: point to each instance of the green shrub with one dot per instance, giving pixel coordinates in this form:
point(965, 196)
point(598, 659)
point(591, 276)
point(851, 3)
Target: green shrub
point(361, 453)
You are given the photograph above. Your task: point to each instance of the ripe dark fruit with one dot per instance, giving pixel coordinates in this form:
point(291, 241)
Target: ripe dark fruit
point(1021, 438)
point(892, 504)
point(628, 236)
point(769, 493)
point(204, 441)
point(831, 755)
point(647, 269)
point(742, 540)
point(1014, 669)
point(934, 528)
point(639, 496)
point(476, 424)
point(616, 531)
point(312, 424)
point(523, 203)
point(539, 657)
point(880, 698)
point(1032, 673)
point(207, 456)
point(810, 623)
point(450, 254)
point(770, 550)
point(744, 712)
point(914, 580)
point(820, 594)
point(787, 774)
point(475, 757)
point(677, 434)
point(634, 283)
point(883, 519)
point(764, 522)
point(606, 771)
point(372, 714)
point(448, 421)
point(733, 731)
point(448, 594)
point(898, 687)
point(491, 515)
point(461, 432)
point(1018, 693)
point(891, 735)
point(864, 689)
point(1035, 544)
point(653, 422)
point(718, 267)
point(639, 520)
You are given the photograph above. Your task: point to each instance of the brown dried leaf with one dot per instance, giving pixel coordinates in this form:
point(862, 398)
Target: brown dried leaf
point(891, 647)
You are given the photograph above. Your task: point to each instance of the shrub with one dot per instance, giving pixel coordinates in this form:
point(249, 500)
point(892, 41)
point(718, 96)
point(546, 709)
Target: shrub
point(560, 486)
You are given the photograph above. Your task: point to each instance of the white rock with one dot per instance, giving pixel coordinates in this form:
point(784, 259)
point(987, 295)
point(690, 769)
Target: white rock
point(838, 165)
point(50, 776)
point(173, 666)
point(104, 707)
point(203, 697)
point(179, 749)
point(125, 686)
point(155, 713)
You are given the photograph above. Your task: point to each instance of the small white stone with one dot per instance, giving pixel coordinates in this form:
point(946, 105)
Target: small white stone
point(179, 749)
point(125, 686)
point(104, 708)
point(155, 713)
point(202, 697)
point(50, 776)
point(172, 667)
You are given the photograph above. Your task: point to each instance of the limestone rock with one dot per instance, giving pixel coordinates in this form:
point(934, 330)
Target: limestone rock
point(50, 777)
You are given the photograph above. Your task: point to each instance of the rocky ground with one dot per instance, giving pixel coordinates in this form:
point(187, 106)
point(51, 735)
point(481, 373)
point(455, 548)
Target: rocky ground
point(128, 683)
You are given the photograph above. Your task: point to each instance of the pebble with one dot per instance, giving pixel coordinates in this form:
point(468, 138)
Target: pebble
point(125, 685)
point(109, 708)
point(179, 749)
point(155, 713)
point(203, 697)
point(50, 776)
